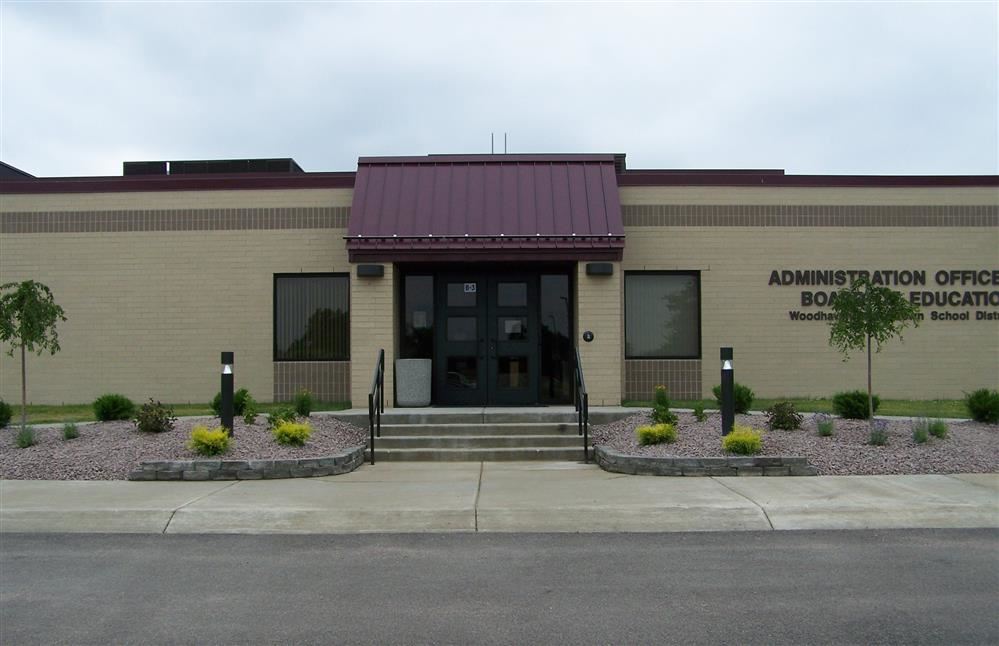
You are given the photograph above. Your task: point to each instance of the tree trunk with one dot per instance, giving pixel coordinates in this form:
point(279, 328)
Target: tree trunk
point(870, 398)
point(24, 392)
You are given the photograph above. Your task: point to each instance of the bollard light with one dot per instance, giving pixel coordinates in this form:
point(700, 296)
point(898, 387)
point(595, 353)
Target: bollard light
point(227, 385)
point(728, 391)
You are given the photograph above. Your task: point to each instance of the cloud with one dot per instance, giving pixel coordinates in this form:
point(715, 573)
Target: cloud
point(814, 88)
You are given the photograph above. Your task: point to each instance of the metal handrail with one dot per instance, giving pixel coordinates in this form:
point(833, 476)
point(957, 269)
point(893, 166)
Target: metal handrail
point(376, 401)
point(582, 406)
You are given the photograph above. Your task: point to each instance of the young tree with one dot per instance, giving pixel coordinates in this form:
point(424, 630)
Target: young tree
point(28, 317)
point(867, 314)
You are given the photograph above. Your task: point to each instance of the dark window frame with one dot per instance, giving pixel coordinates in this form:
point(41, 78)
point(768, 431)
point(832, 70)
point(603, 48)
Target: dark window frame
point(696, 274)
point(274, 312)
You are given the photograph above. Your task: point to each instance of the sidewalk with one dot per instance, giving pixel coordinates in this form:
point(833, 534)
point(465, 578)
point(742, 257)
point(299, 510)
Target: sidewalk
point(500, 497)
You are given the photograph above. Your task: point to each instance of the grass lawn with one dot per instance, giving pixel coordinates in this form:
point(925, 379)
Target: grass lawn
point(900, 407)
point(45, 414)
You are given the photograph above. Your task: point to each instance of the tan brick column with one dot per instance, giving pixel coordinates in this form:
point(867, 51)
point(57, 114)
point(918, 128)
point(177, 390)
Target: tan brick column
point(600, 309)
point(372, 327)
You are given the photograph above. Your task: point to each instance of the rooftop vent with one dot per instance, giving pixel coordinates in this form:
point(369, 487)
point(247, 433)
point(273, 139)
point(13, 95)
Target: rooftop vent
point(211, 166)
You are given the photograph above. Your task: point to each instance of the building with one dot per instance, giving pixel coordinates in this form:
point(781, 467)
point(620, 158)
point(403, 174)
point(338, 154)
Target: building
point(494, 267)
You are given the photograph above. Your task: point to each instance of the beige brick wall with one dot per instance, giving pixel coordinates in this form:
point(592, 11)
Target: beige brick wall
point(372, 328)
point(777, 356)
point(149, 312)
point(600, 309)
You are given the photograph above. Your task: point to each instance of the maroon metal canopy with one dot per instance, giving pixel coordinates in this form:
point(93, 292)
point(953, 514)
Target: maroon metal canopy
point(485, 208)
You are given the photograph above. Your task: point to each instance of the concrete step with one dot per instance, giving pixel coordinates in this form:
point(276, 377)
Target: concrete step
point(536, 415)
point(476, 455)
point(516, 428)
point(478, 441)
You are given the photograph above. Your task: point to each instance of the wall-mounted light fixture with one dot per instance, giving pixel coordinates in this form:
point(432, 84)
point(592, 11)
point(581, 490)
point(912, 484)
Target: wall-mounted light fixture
point(599, 269)
point(370, 271)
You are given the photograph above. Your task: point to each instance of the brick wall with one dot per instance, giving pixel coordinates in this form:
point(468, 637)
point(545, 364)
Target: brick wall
point(600, 309)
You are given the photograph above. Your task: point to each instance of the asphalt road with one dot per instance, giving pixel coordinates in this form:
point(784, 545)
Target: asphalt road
point(864, 587)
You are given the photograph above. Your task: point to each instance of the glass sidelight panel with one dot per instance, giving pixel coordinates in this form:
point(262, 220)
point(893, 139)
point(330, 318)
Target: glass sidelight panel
point(462, 372)
point(416, 340)
point(462, 328)
point(512, 372)
point(556, 340)
point(512, 328)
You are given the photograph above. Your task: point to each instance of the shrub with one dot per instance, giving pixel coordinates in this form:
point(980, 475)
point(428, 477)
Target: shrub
point(983, 405)
point(250, 410)
point(742, 440)
point(853, 404)
point(879, 433)
point(113, 406)
point(743, 396)
point(239, 399)
point(154, 417)
point(5, 413)
point(279, 415)
point(25, 438)
point(824, 424)
point(656, 434)
point(699, 412)
point(292, 433)
point(920, 431)
point(938, 428)
point(661, 414)
point(783, 416)
point(205, 441)
point(303, 403)
point(70, 432)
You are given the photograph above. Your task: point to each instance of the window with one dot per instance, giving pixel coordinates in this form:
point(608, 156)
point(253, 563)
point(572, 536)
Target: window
point(311, 317)
point(662, 315)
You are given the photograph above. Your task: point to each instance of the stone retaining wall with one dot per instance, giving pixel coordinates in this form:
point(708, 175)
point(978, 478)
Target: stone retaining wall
point(611, 460)
point(332, 465)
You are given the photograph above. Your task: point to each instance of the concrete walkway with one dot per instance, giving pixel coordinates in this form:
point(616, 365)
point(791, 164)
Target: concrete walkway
point(500, 497)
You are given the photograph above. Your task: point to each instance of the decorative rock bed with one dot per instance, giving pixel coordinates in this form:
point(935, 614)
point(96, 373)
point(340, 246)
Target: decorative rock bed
point(616, 462)
point(332, 465)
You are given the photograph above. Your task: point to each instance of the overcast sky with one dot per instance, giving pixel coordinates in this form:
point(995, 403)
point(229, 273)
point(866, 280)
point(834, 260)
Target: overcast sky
point(829, 87)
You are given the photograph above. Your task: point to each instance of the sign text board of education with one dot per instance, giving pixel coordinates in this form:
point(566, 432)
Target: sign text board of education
point(967, 294)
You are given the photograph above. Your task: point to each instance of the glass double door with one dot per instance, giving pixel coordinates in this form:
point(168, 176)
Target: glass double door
point(488, 346)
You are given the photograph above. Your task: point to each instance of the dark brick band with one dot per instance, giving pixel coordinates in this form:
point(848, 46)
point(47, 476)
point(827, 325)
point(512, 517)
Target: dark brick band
point(776, 215)
point(316, 217)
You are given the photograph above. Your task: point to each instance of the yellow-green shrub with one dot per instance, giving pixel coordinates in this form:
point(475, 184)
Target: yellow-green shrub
point(292, 433)
point(656, 434)
point(209, 442)
point(742, 440)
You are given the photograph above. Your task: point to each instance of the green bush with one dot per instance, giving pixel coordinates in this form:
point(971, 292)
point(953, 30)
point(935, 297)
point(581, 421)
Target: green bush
point(25, 438)
point(205, 441)
point(824, 425)
point(5, 413)
point(920, 431)
point(154, 417)
point(699, 412)
point(70, 432)
point(292, 433)
point(239, 399)
point(113, 406)
point(656, 434)
point(743, 441)
point(853, 404)
point(661, 414)
point(879, 433)
point(250, 410)
point(279, 415)
point(743, 396)
point(303, 403)
point(783, 416)
point(983, 405)
point(938, 428)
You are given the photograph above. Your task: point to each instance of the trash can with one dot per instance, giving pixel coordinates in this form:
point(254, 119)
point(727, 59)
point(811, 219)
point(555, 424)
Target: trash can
point(412, 382)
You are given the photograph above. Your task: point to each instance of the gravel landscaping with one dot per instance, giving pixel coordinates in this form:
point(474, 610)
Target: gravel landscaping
point(110, 450)
point(970, 447)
